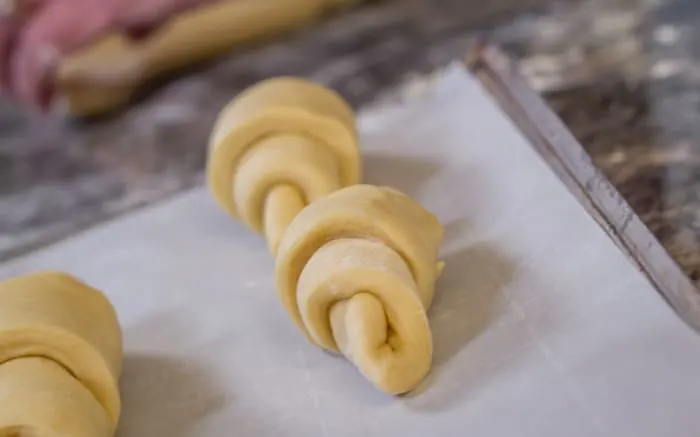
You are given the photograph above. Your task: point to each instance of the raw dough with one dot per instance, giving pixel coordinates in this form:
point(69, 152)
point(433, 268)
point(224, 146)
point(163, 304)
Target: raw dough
point(60, 358)
point(106, 74)
point(39, 398)
point(356, 272)
point(281, 145)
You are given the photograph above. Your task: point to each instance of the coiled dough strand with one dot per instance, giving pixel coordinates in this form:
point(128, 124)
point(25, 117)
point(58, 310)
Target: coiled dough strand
point(60, 358)
point(356, 272)
point(279, 146)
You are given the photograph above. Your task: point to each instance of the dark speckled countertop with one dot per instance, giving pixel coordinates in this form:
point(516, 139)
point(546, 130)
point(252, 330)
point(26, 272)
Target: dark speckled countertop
point(623, 74)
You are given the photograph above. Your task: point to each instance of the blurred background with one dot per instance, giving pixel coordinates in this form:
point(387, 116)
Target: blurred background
point(623, 75)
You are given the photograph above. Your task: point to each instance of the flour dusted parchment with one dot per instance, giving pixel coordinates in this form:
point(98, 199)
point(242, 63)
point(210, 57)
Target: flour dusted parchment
point(541, 326)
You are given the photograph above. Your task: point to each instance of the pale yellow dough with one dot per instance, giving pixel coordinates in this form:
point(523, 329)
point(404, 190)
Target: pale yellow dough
point(356, 272)
point(279, 146)
point(60, 358)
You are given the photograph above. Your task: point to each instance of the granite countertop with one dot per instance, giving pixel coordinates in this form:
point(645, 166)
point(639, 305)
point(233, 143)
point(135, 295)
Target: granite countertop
point(623, 74)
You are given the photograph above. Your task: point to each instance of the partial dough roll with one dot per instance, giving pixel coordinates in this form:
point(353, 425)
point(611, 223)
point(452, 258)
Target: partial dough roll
point(60, 358)
point(356, 272)
point(279, 146)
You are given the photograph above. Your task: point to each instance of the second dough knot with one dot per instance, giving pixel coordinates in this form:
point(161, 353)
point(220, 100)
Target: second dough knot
point(356, 272)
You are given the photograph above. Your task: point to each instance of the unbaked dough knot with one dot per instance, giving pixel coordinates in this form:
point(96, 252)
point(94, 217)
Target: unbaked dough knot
point(356, 271)
point(294, 161)
point(60, 358)
point(283, 132)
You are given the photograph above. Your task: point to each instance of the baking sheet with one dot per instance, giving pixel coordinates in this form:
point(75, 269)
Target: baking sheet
point(541, 326)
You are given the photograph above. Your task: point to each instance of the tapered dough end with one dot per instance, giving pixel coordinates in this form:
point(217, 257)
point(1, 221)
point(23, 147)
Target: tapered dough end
point(280, 106)
point(385, 362)
point(440, 267)
point(282, 204)
point(39, 398)
point(56, 316)
point(358, 296)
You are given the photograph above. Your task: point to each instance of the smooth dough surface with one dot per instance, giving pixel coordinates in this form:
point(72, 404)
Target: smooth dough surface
point(55, 317)
point(283, 132)
point(356, 272)
point(39, 398)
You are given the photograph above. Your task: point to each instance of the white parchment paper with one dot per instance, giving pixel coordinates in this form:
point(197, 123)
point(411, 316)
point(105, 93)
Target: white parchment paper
point(541, 326)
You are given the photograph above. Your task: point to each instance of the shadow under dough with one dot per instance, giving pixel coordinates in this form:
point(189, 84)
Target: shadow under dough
point(400, 172)
point(468, 300)
point(163, 396)
point(454, 232)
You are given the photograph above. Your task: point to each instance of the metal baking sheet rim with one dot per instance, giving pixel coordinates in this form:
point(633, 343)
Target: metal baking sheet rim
point(553, 141)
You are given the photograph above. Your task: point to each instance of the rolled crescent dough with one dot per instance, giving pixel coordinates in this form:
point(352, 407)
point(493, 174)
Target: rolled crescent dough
point(279, 146)
point(356, 272)
point(60, 358)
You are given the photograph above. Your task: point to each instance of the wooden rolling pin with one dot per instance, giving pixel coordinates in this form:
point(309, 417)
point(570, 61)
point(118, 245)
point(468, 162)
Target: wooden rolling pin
point(105, 75)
